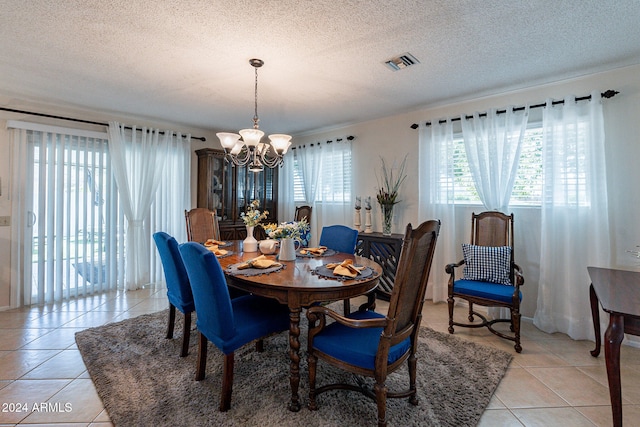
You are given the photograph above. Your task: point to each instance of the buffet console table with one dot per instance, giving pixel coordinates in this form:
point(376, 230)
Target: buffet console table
point(385, 250)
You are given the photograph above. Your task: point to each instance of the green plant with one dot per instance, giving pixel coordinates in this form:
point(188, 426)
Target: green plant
point(389, 185)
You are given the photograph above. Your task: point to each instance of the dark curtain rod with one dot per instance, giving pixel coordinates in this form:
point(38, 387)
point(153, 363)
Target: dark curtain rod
point(606, 94)
point(349, 138)
point(71, 119)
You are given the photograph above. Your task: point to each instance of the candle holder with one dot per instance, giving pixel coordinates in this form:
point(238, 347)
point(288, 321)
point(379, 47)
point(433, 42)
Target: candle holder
point(367, 224)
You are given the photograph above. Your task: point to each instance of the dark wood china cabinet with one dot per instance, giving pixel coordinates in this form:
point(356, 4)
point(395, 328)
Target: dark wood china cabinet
point(229, 189)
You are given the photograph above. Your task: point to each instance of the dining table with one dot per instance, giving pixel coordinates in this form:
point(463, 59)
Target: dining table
point(298, 284)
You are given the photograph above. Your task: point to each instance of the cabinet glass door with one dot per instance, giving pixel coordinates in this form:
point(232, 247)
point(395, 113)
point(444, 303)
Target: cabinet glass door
point(229, 193)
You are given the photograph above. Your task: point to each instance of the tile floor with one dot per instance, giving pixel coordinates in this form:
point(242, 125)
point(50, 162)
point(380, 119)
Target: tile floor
point(553, 382)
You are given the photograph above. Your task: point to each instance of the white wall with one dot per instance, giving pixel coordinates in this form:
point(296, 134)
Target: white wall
point(392, 138)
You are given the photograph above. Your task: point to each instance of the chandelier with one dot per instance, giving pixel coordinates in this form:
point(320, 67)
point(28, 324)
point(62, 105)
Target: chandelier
point(249, 150)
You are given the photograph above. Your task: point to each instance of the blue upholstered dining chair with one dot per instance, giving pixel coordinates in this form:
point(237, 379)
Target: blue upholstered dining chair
point(371, 344)
point(178, 287)
point(228, 323)
point(340, 238)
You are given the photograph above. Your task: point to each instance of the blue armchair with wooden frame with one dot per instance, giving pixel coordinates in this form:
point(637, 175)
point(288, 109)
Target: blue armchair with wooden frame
point(490, 277)
point(370, 344)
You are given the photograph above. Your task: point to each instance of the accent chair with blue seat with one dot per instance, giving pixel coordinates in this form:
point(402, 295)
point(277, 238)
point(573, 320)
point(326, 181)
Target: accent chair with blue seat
point(490, 278)
point(370, 344)
point(227, 323)
point(178, 287)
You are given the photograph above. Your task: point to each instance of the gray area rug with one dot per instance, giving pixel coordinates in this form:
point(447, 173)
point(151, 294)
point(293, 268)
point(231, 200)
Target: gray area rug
point(142, 381)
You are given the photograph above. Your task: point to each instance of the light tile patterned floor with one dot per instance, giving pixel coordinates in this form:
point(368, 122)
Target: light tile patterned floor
point(553, 382)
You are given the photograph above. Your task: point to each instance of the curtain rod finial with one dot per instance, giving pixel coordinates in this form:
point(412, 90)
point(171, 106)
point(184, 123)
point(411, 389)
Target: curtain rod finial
point(609, 93)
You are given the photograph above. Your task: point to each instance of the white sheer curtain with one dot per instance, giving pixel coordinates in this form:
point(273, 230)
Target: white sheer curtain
point(575, 230)
point(436, 199)
point(325, 168)
point(172, 198)
point(66, 225)
point(286, 189)
point(333, 191)
point(309, 160)
point(492, 143)
point(138, 160)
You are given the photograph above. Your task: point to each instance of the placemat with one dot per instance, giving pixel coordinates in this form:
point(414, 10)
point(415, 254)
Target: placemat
point(323, 271)
point(234, 271)
point(328, 252)
point(225, 255)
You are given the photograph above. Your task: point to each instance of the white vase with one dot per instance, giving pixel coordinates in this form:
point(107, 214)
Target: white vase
point(250, 244)
point(287, 249)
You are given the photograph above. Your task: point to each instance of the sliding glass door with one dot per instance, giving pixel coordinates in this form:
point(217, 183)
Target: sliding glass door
point(70, 225)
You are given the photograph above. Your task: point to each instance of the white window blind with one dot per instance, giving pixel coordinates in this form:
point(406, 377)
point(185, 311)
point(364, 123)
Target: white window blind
point(334, 181)
point(460, 186)
point(298, 183)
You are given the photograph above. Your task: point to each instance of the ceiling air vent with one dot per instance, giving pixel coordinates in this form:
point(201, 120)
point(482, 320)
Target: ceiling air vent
point(403, 61)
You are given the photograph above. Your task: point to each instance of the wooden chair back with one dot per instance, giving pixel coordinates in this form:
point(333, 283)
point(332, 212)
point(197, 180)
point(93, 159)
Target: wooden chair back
point(202, 224)
point(303, 212)
point(493, 228)
point(410, 286)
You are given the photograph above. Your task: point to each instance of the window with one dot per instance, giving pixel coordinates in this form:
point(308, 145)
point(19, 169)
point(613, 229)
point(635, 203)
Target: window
point(70, 225)
point(527, 189)
point(334, 177)
point(298, 183)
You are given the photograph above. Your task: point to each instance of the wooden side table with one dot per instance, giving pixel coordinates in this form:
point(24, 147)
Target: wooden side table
point(618, 291)
point(385, 250)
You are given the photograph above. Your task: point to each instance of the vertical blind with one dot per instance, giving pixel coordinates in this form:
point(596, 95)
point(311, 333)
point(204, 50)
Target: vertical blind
point(71, 238)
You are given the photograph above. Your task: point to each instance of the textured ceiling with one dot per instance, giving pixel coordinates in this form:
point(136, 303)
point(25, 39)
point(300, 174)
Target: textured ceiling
point(186, 61)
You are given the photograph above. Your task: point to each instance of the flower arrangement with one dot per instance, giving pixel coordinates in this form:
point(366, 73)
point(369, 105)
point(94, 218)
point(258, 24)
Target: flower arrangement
point(287, 230)
point(389, 185)
point(253, 216)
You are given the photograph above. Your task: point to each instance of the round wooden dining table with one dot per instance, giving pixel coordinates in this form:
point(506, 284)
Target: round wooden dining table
point(298, 286)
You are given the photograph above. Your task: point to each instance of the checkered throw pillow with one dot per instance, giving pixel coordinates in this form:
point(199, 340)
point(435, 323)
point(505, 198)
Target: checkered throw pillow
point(487, 263)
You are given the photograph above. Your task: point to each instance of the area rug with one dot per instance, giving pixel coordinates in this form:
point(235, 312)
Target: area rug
point(142, 381)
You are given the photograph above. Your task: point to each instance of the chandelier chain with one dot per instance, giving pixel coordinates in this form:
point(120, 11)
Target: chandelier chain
point(255, 113)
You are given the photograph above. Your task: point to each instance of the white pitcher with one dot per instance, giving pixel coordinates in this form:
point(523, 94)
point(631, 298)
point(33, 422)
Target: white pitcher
point(288, 249)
